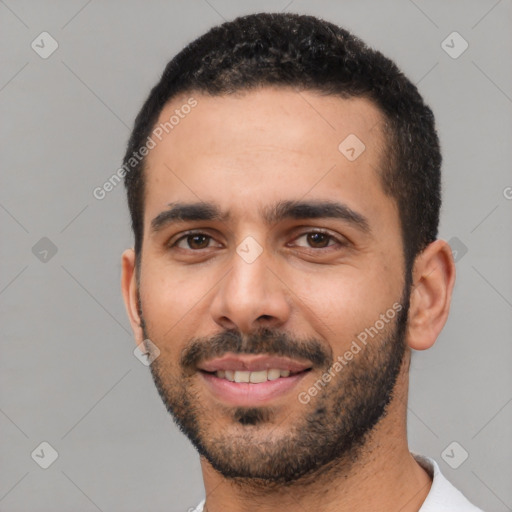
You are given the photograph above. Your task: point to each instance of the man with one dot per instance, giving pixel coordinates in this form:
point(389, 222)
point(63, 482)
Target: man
point(283, 181)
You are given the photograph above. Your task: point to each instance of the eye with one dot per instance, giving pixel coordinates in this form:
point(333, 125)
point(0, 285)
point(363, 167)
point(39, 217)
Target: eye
point(193, 241)
point(318, 240)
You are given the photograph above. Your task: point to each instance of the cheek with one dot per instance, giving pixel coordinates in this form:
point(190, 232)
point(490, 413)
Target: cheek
point(167, 307)
point(341, 303)
point(167, 300)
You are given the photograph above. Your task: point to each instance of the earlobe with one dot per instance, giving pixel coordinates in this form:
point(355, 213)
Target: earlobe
point(433, 281)
point(130, 292)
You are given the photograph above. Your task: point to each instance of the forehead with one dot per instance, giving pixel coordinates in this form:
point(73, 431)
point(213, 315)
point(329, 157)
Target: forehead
point(298, 119)
point(268, 144)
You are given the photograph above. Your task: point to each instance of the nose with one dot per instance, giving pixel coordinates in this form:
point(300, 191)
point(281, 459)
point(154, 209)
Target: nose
point(251, 296)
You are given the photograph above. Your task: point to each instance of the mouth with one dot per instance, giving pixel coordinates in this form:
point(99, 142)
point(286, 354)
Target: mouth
point(253, 377)
point(248, 380)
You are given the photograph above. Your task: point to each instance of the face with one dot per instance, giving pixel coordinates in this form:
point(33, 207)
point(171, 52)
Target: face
point(272, 279)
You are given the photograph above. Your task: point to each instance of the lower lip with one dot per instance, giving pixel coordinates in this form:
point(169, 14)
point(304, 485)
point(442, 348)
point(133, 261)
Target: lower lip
point(249, 394)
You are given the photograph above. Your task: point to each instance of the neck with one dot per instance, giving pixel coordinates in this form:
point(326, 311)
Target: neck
point(384, 476)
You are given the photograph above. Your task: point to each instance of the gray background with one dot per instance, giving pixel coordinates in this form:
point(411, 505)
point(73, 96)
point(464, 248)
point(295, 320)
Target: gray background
point(68, 375)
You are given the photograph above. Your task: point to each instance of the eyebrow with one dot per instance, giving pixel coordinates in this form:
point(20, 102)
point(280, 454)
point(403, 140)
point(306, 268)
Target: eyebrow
point(282, 210)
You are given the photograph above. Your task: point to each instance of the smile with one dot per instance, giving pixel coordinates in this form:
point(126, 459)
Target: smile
point(248, 380)
point(253, 377)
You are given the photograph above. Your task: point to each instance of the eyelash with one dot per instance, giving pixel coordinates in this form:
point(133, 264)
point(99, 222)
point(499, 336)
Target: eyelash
point(315, 231)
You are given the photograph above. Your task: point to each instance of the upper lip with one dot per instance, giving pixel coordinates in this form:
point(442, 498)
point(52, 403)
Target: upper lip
point(253, 363)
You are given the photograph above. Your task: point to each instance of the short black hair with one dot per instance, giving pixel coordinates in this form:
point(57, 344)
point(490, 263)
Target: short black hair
point(307, 53)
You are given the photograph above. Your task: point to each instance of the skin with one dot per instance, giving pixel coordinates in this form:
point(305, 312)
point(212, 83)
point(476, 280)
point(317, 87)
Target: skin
point(246, 152)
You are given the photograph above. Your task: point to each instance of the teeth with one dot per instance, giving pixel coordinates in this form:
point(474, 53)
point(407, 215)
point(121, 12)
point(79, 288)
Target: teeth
point(256, 377)
point(274, 374)
point(253, 377)
point(242, 376)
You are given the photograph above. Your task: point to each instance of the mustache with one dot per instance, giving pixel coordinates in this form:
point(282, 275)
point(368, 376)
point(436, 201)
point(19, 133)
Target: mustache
point(263, 341)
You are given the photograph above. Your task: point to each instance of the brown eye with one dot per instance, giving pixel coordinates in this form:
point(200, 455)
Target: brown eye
point(318, 240)
point(197, 241)
point(193, 241)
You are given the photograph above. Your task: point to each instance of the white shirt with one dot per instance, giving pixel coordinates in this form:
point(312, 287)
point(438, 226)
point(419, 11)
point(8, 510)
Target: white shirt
point(442, 497)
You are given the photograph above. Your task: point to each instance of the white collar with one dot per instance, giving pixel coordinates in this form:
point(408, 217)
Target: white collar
point(442, 496)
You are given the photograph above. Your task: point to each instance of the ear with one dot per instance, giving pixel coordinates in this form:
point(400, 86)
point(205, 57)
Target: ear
point(433, 281)
point(129, 289)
